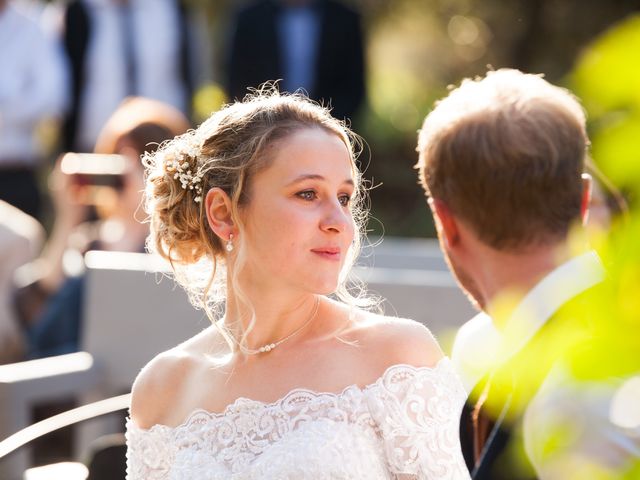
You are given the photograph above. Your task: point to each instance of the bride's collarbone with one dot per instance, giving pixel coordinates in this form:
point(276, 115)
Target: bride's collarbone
point(320, 366)
point(214, 388)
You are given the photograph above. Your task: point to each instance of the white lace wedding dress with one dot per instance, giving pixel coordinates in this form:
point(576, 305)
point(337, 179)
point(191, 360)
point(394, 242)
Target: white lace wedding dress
point(403, 426)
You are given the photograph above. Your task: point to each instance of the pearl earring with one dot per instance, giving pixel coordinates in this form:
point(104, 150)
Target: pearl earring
point(229, 246)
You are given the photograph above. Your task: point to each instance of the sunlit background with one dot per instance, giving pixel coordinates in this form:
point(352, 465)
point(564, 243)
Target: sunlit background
point(416, 48)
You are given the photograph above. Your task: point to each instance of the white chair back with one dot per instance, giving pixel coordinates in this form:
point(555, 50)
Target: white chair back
point(132, 312)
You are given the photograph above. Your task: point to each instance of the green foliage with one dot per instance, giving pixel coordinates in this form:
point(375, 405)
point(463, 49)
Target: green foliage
point(614, 348)
point(607, 78)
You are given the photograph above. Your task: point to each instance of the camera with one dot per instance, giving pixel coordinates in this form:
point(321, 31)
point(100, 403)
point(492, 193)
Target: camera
point(95, 170)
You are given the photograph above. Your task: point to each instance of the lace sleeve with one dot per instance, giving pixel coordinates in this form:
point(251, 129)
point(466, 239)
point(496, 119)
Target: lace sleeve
point(418, 412)
point(149, 452)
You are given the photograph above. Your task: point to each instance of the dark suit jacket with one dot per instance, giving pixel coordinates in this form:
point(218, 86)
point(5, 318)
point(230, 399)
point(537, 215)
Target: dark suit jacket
point(255, 56)
point(506, 391)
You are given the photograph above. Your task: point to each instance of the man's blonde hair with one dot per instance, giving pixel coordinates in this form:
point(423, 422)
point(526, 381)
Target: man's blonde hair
point(505, 153)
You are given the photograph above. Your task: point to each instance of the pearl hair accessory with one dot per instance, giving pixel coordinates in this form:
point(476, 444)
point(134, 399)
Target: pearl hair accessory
point(270, 346)
point(229, 246)
point(187, 178)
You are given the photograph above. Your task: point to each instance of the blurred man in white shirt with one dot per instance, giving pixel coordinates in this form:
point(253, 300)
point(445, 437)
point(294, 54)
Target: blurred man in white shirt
point(32, 90)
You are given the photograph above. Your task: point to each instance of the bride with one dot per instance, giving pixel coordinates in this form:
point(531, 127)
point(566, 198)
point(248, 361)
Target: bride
point(259, 211)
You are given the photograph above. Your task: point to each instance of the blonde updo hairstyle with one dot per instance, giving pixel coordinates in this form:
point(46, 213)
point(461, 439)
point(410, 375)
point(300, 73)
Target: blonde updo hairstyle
point(226, 151)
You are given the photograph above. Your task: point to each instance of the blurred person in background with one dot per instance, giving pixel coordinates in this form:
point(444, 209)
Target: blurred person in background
point(138, 125)
point(32, 90)
point(502, 159)
point(120, 48)
point(21, 238)
point(314, 45)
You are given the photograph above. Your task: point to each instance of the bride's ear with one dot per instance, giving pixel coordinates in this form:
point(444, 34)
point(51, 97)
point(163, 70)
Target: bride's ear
point(219, 212)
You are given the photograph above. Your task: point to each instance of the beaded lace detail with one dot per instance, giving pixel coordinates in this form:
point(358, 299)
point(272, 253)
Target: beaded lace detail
point(405, 425)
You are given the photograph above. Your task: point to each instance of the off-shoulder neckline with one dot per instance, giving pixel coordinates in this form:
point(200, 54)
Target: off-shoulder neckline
point(249, 403)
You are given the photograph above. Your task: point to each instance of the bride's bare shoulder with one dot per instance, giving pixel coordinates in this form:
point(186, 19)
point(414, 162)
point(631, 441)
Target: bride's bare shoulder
point(397, 340)
point(158, 388)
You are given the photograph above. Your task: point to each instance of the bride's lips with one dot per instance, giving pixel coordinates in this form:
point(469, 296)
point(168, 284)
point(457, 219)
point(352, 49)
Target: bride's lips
point(329, 253)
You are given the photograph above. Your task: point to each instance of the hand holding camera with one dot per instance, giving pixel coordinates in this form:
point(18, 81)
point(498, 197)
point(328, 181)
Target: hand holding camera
point(80, 180)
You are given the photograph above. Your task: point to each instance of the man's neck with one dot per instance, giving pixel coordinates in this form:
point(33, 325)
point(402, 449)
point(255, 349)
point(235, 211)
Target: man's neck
point(508, 277)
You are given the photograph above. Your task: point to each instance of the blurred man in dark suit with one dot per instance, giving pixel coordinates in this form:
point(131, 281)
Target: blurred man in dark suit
point(315, 45)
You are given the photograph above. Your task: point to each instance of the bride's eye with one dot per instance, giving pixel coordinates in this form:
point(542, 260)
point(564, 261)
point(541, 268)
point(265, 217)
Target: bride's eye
point(344, 200)
point(307, 195)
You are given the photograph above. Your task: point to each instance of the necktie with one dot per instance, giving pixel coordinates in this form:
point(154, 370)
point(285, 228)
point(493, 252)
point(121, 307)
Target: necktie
point(128, 35)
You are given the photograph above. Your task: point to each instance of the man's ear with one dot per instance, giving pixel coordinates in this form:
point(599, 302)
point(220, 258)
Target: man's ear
point(587, 186)
point(446, 223)
point(218, 207)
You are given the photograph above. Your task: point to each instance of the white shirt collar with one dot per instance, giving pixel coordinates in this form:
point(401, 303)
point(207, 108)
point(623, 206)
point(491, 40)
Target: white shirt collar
point(542, 301)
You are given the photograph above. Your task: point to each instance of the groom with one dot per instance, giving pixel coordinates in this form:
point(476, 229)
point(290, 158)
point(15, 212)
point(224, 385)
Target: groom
point(501, 159)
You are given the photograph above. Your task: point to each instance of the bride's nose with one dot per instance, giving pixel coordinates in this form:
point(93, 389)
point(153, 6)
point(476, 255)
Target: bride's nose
point(335, 217)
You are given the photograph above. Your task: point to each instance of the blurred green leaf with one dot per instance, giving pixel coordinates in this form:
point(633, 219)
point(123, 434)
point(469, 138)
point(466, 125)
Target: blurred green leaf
point(607, 75)
point(607, 79)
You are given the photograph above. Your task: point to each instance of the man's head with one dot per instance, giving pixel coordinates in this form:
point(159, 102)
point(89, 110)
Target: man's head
point(504, 155)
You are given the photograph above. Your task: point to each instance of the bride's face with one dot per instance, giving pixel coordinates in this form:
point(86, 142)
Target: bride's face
point(298, 221)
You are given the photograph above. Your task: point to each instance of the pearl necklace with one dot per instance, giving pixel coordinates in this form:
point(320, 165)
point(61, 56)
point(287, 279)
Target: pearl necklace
point(270, 346)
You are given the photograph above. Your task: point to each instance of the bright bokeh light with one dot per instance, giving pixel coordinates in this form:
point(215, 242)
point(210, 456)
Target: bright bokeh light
point(208, 99)
point(66, 470)
point(463, 30)
point(625, 407)
point(45, 367)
